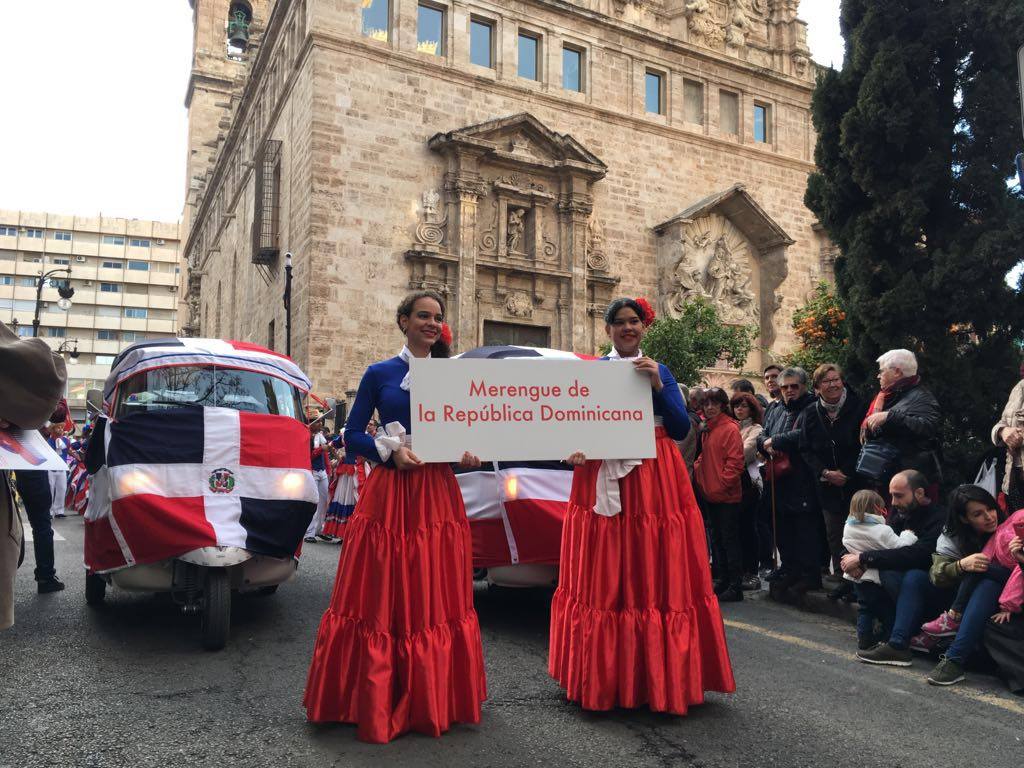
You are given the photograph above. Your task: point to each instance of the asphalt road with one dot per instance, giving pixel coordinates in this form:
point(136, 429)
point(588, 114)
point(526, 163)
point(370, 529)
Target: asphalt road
point(128, 685)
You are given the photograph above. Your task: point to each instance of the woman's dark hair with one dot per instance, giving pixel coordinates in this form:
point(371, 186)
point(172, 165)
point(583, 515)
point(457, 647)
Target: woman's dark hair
point(719, 395)
point(615, 306)
point(957, 528)
point(747, 399)
point(439, 348)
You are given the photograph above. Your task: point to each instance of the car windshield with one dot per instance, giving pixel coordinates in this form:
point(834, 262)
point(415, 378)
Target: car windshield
point(183, 386)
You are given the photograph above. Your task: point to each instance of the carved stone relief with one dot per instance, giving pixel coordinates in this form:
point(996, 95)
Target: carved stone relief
point(430, 230)
point(597, 259)
point(519, 304)
point(739, 23)
point(702, 25)
point(715, 264)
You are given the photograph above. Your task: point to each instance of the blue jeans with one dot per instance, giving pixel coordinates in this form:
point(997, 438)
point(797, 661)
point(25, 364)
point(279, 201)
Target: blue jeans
point(900, 604)
point(34, 489)
point(983, 602)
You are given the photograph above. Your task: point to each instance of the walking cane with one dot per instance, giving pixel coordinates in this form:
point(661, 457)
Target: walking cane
point(775, 537)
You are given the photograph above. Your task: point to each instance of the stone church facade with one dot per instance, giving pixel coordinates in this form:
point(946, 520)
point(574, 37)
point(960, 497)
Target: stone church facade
point(590, 149)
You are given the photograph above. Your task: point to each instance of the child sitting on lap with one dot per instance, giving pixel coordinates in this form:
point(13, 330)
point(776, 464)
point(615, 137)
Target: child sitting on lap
point(866, 530)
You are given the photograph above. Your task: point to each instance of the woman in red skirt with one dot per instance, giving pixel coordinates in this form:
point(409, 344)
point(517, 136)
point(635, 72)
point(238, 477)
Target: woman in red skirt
point(635, 621)
point(399, 647)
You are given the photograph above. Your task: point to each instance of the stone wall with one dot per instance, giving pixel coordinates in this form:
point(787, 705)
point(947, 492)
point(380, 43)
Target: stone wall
point(355, 118)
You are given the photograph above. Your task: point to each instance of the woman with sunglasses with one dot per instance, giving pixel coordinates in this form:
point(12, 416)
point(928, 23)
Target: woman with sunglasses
point(635, 621)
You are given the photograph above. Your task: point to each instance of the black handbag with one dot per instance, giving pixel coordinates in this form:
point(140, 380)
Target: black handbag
point(878, 460)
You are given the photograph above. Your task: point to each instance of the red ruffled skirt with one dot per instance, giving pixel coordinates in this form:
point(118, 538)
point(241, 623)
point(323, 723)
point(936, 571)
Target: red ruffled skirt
point(399, 646)
point(635, 620)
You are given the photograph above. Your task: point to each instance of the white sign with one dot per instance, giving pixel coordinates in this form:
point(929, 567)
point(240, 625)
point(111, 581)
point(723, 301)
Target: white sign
point(21, 449)
point(523, 409)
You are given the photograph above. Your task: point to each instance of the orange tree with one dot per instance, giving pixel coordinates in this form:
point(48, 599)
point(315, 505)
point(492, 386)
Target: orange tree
point(821, 329)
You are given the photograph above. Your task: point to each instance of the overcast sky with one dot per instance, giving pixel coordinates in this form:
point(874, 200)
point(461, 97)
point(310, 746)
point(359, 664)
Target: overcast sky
point(93, 102)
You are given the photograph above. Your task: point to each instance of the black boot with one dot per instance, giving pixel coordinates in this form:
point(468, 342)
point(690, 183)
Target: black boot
point(733, 593)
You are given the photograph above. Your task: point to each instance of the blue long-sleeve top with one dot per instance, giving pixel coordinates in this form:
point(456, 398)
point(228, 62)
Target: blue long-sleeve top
point(669, 405)
point(380, 390)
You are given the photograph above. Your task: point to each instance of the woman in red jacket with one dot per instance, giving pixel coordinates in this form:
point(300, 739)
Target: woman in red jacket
point(719, 475)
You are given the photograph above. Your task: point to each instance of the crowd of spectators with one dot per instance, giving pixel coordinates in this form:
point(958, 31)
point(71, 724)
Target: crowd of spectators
point(846, 490)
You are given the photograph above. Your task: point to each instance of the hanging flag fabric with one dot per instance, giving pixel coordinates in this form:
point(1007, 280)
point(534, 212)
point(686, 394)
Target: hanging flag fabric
point(203, 477)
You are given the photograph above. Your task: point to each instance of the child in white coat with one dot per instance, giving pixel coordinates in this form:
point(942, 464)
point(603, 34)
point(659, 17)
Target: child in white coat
point(866, 530)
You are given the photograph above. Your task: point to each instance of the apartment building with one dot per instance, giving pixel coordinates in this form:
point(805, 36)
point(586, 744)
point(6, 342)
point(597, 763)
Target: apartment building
point(125, 274)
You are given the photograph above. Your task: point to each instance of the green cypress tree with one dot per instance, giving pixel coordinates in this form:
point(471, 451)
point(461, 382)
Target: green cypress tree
point(916, 139)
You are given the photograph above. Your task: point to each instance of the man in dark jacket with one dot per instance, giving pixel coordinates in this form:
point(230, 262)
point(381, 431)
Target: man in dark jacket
point(830, 444)
point(797, 525)
point(906, 595)
point(906, 415)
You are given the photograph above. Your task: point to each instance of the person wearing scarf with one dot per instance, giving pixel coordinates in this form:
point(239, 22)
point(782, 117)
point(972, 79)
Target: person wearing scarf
point(635, 621)
point(830, 444)
point(907, 415)
point(399, 649)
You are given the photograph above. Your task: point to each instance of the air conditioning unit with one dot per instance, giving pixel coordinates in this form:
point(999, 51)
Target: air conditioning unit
point(160, 242)
point(172, 288)
point(87, 283)
point(80, 259)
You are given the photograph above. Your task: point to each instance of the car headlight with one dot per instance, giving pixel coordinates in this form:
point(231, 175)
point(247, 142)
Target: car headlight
point(134, 482)
point(292, 483)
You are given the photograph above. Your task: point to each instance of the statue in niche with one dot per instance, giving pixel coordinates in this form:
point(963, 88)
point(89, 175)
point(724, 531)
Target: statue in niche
point(516, 226)
point(719, 270)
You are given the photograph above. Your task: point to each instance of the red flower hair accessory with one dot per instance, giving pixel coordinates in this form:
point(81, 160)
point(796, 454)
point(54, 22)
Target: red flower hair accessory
point(446, 334)
point(649, 315)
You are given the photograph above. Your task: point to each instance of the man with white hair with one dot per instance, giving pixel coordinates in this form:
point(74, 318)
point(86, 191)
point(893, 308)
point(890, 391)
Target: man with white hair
point(905, 415)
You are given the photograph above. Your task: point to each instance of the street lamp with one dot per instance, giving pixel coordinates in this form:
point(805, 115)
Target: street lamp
point(65, 292)
point(73, 353)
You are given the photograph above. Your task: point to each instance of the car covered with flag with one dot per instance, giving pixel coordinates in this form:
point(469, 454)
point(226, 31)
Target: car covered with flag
point(516, 509)
point(200, 477)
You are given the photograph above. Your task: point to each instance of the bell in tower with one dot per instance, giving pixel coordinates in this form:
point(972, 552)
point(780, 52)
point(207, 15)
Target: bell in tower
point(239, 19)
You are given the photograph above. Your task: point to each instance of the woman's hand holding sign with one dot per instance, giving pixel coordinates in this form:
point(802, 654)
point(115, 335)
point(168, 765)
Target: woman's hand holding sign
point(577, 459)
point(649, 367)
point(405, 459)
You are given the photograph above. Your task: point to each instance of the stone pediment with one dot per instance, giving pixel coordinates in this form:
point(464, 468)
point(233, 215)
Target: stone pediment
point(523, 141)
point(741, 210)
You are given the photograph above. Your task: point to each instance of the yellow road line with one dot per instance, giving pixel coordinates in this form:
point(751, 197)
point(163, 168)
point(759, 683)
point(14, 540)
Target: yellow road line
point(1010, 705)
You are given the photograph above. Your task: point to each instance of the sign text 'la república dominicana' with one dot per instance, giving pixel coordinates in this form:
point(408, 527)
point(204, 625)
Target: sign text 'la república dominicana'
point(521, 409)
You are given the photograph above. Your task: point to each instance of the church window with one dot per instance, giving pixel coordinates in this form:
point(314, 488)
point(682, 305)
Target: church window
point(762, 123)
point(654, 92)
point(693, 102)
point(529, 56)
point(481, 43)
point(572, 68)
point(430, 30)
point(376, 15)
point(729, 112)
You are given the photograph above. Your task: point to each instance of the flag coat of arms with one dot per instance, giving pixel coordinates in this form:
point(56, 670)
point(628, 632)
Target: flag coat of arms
point(180, 479)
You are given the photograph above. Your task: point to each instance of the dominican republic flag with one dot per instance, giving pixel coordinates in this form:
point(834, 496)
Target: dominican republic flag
point(516, 509)
point(180, 479)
